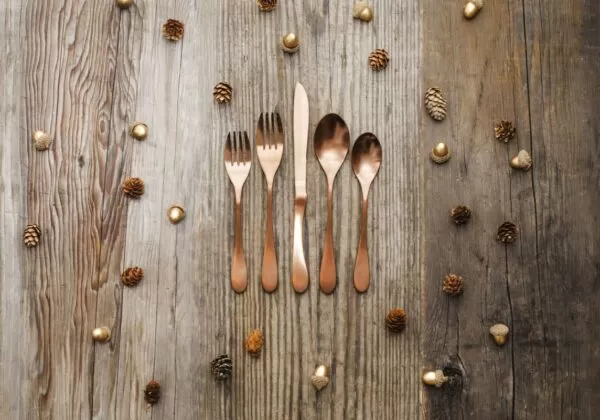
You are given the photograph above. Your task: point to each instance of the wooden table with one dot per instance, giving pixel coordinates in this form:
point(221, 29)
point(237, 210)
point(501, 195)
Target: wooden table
point(85, 70)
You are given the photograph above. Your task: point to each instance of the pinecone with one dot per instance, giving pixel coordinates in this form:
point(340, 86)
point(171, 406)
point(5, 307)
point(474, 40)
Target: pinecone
point(221, 367)
point(378, 59)
point(133, 187)
point(453, 285)
point(152, 392)
point(507, 232)
point(435, 103)
point(31, 235)
point(460, 214)
point(132, 276)
point(254, 342)
point(504, 131)
point(266, 5)
point(396, 320)
point(173, 30)
point(222, 92)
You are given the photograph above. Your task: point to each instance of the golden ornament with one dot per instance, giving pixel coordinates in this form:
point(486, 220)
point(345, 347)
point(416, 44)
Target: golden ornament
point(472, 8)
point(139, 131)
point(435, 378)
point(266, 5)
point(223, 92)
point(500, 333)
point(124, 4)
point(320, 377)
point(290, 43)
point(101, 334)
point(435, 103)
point(522, 161)
point(31, 235)
point(41, 140)
point(440, 153)
point(175, 214)
point(378, 59)
point(362, 11)
point(173, 30)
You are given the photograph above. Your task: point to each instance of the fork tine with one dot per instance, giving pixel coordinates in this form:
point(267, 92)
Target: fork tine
point(247, 152)
point(260, 132)
point(236, 141)
point(279, 124)
point(228, 148)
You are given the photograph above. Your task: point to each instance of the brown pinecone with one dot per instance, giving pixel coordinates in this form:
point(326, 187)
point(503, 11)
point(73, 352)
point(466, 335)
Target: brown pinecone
point(504, 131)
point(460, 214)
point(378, 59)
point(152, 392)
point(453, 285)
point(221, 367)
point(254, 342)
point(31, 235)
point(266, 5)
point(396, 320)
point(173, 30)
point(507, 232)
point(132, 276)
point(435, 103)
point(223, 92)
point(133, 187)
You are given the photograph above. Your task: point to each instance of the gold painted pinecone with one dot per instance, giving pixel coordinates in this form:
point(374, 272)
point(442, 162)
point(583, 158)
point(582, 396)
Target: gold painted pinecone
point(254, 342)
point(173, 30)
point(396, 320)
point(435, 103)
point(221, 367)
point(132, 276)
point(223, 92)
point(133, 187)
point(504, 131)
point(378, 59)
point(453, 285)
point(460, 214)
point(152, 392)
point(31, 235)
point(266, 5)
point(507, 232)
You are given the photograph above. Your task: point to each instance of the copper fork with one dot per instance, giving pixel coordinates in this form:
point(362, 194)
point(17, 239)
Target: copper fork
point(238, 159)
point(269, 149)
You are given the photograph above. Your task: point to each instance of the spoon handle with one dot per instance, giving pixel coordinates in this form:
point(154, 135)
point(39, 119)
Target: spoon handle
point(269, 262)
point(239, 273)
point(361, 266)
point(299, 270)
point(328, 271)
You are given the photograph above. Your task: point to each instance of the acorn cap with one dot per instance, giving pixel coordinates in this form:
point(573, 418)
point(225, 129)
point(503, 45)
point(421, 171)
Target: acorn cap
point(435, 378)
point(499, 332)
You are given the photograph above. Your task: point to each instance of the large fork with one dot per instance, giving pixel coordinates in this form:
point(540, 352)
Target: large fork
point(238, 159)
point(269, 149)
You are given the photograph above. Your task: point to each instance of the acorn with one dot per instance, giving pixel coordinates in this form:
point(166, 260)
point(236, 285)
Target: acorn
point(290, 43)
point(124, 4)
point(320, 377)
point(175, 214)
point(362, 11)
point(41, 140)
point(101, 334)
point(138, 131)
point(440, 153)
point(472, 8)
point(500, 333)
point(522, 161)
point(435, 378)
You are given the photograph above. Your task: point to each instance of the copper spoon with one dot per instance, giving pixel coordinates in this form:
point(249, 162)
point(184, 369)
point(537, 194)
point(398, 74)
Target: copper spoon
point(366, 160)
point(332, 141)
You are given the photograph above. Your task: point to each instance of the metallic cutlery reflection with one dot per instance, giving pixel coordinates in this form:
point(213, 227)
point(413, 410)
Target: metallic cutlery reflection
point(269, 149)
point(238, 158)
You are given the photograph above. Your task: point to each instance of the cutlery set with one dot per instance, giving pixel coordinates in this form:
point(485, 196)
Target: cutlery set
point(331, 146)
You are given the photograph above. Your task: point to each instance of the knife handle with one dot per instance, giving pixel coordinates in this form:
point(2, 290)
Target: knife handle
point(299, 270)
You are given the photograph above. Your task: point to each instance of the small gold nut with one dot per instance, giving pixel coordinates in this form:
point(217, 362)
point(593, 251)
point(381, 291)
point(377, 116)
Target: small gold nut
point(101, 334)
point(290, 43)
point(434, 378)
point(522, 161)
point(500, 333)
point(124, 4)
point(139, 131)
point(41, 140)
point(175, 214)
point(472, 8)
point(362, 11)
point(440, 153)
point(320, 377)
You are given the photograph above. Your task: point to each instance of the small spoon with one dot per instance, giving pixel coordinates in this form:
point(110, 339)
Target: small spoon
point(332, 141)
point(366, 159)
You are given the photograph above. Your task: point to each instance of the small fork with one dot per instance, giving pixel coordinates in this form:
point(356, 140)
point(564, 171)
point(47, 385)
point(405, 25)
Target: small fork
point(238, 159)
point(269, 149)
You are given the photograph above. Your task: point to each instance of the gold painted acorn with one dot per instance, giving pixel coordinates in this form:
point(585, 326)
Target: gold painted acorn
point(522, 161)
point(101, 334)
point(175, 214)
point(290, 43)
point(138, 131)
point(440, 153)
point(124, 4)
point(435, 378)
point(472, 8)
point(320, 377)
point(362, 11)
point(500, 333)
point(41, 140)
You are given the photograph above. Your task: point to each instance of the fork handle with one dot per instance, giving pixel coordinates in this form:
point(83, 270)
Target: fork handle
point(269, 263)
point(328, 269)
point(299, 270)
point(239, 272)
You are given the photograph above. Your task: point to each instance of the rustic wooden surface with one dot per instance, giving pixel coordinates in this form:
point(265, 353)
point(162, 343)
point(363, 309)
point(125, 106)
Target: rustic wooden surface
point(85, 70)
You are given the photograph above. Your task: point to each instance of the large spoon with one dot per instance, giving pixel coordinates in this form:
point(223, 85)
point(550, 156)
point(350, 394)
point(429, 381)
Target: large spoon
point(366, 159)
point(332, 141)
